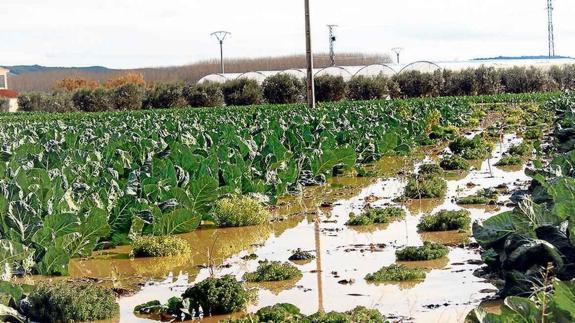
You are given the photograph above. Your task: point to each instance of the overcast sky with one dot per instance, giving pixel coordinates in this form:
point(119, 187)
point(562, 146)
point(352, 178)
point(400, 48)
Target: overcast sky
point(138, 33)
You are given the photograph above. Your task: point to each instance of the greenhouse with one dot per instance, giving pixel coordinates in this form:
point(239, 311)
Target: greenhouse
point(347, 72)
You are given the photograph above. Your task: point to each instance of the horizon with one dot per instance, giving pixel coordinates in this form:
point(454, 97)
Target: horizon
point(135, 34)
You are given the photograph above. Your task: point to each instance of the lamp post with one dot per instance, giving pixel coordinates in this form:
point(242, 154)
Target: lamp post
point(221, 36)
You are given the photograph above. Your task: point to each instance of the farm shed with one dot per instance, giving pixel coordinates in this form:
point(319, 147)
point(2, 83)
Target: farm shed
point(8, 98)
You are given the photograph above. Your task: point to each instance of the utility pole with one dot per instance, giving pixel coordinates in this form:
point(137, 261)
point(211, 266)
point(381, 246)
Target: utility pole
point(332, 40)
point(309, 58)
point(397, 51)
point(550, 31)
point(221, 36)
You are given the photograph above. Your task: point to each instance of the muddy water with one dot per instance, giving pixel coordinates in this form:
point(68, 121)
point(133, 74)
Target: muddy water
point(446, 295)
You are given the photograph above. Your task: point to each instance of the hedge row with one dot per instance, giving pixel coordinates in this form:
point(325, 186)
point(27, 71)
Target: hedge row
point(284, 88)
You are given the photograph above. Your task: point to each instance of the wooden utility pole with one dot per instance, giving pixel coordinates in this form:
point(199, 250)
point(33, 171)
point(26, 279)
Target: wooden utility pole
point(309, 58)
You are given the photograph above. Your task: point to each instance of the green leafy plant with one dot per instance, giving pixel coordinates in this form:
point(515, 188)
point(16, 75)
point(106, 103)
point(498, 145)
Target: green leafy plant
point(269, 271)
point(429, 251)
point(445, 221)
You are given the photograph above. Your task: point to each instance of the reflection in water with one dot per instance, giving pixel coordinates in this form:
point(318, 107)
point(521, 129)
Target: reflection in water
point(318, 268)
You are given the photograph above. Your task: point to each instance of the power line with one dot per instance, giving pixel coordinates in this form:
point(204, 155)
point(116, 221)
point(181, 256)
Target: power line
point(332, 39)
point(221, 36)
point(550, 31)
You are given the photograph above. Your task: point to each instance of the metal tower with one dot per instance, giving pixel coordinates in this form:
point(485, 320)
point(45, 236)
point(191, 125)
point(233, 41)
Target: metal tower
point(332, 40)
point(550, 32)
point(221, 36)
point(397, 51)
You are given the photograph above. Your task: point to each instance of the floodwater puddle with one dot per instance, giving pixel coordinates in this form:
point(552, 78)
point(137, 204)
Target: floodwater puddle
point(335, 279)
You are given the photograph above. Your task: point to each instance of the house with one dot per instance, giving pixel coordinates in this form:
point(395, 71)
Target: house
point(11, 97)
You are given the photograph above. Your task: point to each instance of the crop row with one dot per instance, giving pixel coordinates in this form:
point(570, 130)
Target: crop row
point(71, 182)
point(535, 243)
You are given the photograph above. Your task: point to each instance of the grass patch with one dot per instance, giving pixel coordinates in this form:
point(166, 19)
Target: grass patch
point(454, 162)
point(163, 246)
point(217, 296)
point(71, 302)
point(396, 273)
point(445, 221)
point(470, 149)
point(270, 271)
point(376, 216)
point(509, 160)
point(239, 212)
point(484, 196)
point(429, 251)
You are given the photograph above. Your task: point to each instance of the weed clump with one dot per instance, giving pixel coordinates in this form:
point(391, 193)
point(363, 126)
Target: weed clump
point(376, 216)
point(395, 273)
point(470, 149)
point(359, 314)
point(269, 271)
point(71, 301)
point(445, 221)
point(533, 133)
point(482, 197)
point(239, 212)
point(429, 183)
point(429, 251)
point(509, 160)
point(159, 246)
point(289, 313)
point(217, 296)
point(454, 162)
point(522, 150)
point(301, 255)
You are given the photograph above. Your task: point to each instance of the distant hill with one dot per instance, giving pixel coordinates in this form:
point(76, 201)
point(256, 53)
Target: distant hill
point(519, 57)
point(22, 69)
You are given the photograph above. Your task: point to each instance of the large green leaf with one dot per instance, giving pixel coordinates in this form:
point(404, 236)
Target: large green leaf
point(176, 222)
point(55, 262)
point(495, 229)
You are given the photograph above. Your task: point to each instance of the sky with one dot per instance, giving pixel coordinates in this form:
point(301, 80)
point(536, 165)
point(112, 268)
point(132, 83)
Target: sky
point(146, 33)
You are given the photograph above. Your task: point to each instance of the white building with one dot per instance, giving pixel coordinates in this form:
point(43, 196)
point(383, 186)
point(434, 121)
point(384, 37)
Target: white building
point(10, 96)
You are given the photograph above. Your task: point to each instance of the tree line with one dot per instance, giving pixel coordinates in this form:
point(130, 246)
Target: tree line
point(130, 91)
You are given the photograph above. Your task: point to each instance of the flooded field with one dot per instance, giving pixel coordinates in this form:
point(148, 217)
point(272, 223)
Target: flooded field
point(315, 222)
